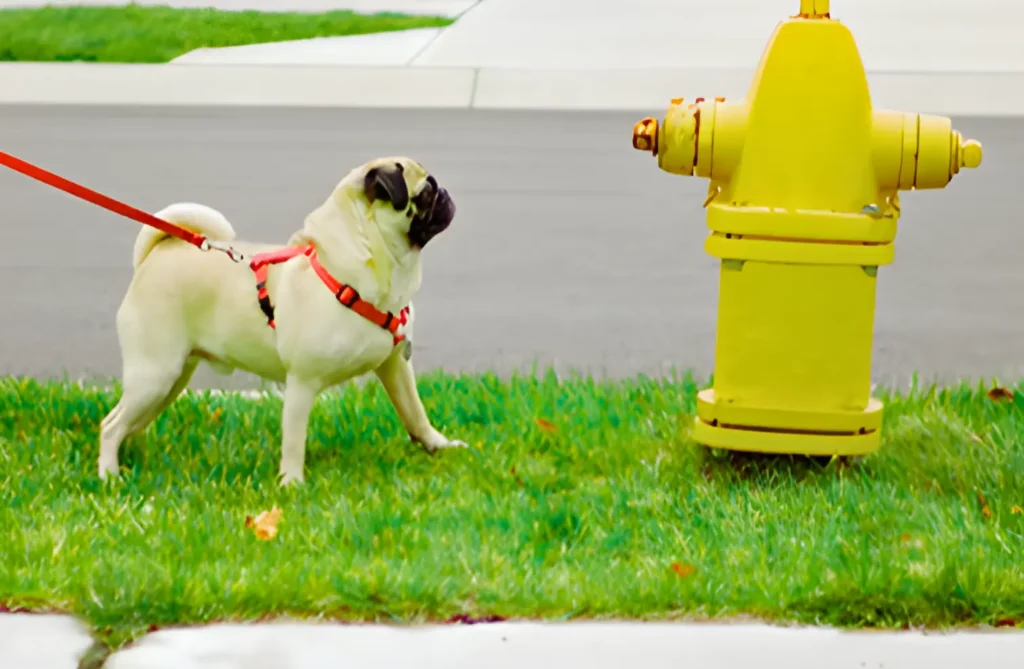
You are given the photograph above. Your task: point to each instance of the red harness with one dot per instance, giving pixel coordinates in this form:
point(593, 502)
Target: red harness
point(347, 295)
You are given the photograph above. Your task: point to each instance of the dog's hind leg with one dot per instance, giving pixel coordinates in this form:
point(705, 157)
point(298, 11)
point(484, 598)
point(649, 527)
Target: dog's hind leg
point(176, 390)
point(147, 391)
point(187, 370)
point(157, 366)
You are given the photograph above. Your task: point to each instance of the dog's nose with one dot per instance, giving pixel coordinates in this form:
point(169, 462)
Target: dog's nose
point(445, 205)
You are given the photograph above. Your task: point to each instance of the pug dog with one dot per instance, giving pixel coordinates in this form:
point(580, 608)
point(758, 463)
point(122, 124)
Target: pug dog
point(333, 304)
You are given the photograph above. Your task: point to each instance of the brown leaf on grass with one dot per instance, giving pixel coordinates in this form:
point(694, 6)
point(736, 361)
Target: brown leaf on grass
point(683, 570)
point(7, 608)
point(546, 425)
point(1006, 622)
point(999, 394)
point(985, 510)
point(265, 524)
point(216, 413)
point(1016, 510)
point(909, 540)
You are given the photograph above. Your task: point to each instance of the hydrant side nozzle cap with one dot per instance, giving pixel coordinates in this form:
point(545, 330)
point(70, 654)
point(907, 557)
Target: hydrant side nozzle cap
point(645, 135)
point(970, 154)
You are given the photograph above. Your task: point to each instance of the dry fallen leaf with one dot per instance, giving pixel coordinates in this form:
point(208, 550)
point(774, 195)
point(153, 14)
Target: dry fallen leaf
point(1016, 510)
point(910, 541)
point(985, 510)
point(546, 425)
point(265, 524)
point(683, 570)
point(216, 413)
point(999, 394)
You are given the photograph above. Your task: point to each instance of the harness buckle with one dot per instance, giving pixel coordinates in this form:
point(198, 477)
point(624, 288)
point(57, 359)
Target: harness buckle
point(347, 295)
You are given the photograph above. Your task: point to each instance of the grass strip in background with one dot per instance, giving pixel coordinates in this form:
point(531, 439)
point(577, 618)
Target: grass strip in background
point(577, 499)
point(158, 34)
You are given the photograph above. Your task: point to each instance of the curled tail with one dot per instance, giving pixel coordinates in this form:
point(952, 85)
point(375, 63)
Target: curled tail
point(196, 218)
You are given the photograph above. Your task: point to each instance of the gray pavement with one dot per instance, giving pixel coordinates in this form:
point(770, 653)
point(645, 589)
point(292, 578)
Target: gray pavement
point(569, 247)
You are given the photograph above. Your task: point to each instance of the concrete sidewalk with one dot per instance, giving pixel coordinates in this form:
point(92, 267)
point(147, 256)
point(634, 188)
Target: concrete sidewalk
point(41, 641)
point(591, 645)
point(920, 36)
point(54, 642)
point(933, 36)
point(930, 56)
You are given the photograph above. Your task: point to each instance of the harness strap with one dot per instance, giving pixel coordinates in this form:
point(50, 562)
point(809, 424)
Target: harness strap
point(347, 295)
point(260, 265)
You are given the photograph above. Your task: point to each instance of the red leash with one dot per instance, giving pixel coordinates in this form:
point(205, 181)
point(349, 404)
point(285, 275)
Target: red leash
point(110, 204)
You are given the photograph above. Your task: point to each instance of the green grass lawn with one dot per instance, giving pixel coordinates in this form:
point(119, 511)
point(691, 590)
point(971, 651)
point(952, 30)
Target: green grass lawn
point(155, 34)
point(575, 500)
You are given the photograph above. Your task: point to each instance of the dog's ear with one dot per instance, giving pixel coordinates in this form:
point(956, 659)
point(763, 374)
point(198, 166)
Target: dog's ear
point(388, 184)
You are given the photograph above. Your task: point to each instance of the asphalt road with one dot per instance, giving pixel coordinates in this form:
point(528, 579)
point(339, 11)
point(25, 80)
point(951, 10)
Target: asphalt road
point(569, 248)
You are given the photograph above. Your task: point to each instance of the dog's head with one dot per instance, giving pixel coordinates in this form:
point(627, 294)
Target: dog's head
point(406, 198)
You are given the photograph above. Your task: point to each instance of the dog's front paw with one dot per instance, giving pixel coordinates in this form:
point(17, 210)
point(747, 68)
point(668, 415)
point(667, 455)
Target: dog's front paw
point(437, 441)
point(452, 443)
point(109, 471)
point(291, 478)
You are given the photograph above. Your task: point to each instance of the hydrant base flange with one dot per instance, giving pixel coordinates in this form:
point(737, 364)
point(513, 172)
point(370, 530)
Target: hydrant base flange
point(792, 433)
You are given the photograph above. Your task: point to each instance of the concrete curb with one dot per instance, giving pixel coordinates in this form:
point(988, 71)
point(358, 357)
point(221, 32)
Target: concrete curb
point(42, 641)
point(59, 642)
point(956, 94)
point(595, 645)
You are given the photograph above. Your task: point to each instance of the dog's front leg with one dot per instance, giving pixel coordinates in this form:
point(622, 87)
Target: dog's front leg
point(399, 380)
point(299, 398)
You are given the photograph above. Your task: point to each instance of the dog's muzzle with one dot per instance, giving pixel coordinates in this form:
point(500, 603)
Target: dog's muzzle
point(434, 221)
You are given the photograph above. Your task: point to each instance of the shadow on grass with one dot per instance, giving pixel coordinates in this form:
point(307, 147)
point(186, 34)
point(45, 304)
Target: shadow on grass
point(769, 470)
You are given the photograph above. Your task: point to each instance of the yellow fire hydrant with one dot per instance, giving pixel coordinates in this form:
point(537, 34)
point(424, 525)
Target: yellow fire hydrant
point(803, 207)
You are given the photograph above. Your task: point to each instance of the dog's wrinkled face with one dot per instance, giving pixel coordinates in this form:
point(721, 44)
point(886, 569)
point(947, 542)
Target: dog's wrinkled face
point(418, 205)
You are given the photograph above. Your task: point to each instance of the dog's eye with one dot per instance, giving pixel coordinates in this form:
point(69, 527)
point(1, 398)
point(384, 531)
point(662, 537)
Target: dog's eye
point(426, 195)
point(429, 189)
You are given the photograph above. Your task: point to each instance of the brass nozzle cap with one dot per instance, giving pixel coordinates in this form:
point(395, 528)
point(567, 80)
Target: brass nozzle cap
point(645, 135)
